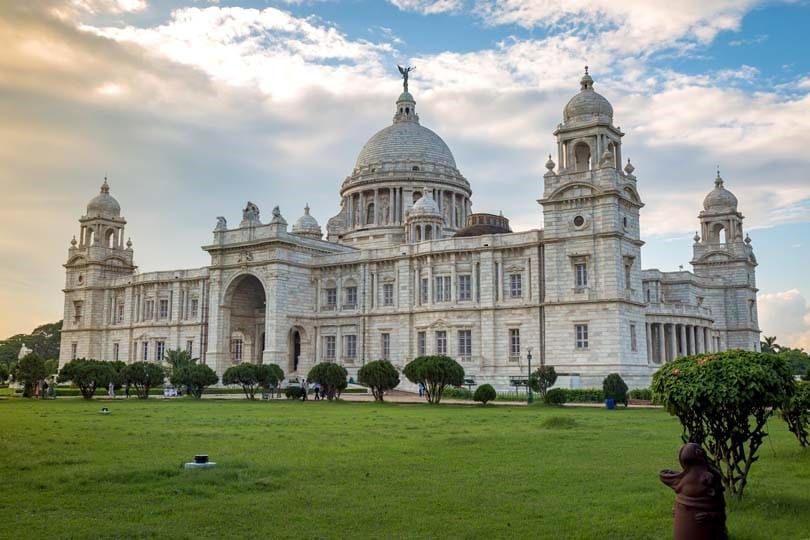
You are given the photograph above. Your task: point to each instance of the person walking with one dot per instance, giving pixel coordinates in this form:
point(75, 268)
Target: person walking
point(421, 389)
point(317, 390)
point(111, 390)
point(305, 388)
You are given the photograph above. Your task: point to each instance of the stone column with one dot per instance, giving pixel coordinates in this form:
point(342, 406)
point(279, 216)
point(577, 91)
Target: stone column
point(474, 282)
point(707, 340)
point(699, 331)
point(453, 290)
point(683, 340)
point(673, 346)
point(430, 280)
point(649, 342)
point(453, 222)
point(376, 207)
point(662, 354)
point(690, 339)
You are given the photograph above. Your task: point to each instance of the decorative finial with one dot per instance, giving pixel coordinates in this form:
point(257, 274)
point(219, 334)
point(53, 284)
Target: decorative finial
point(404, 71)
point(747, 239)
point(718, 182)
point(680, 267)
point(129, 243)
point(105, 187)
point(586, 70)
point(629, 167)
point(550, 163)
point(306, 209)
point(73, 242)
point(696, 238)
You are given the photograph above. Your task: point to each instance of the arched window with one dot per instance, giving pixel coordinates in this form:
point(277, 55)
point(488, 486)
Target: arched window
point(417, 195)
point(91, 237)
point(418, 234)
point(582, 157)
point(109, 239)
point(428, 232)
point(717, 234)
point(370, 214)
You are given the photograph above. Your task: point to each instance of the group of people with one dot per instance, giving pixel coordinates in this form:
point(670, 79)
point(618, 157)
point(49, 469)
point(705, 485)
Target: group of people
point(45, 390)
point(319, 392)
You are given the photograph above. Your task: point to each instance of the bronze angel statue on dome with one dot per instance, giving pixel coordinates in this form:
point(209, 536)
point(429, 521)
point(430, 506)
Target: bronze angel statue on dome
point(405, 71)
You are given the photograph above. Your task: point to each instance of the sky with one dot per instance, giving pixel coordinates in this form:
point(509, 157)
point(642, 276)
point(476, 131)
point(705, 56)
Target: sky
point(191, 108)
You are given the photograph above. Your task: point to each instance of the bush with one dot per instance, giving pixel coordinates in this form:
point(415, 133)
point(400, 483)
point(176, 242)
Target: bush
point(332, 378)
point(29, 371)
point(641, 393)
point(583, 395)
point(457, 392)
point(195, 377)
point(435, 373)
point(380, 376)
point(796, 412)
point(4, 373)
point(723, 402)
point(485, 393)
point(245, 375)
point(143, 376)
point(543, 379)
point(293, 392)
point(88, 375)
point(555, 396)
point(615, 388)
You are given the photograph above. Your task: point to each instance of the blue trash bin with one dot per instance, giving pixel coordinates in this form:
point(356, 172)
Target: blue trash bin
point(610, 404)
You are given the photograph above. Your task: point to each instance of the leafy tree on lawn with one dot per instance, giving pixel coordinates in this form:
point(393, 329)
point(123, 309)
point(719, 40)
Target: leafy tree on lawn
point(4, 373)
point(796, 412)
point(380, 376)
point(177, 360)
point(245, 375)
point(435, 373)
point(143, 376)
point(797, 359)
point(270, 375)
point(88, 375)
point(485, 393)
point(195, 377)
point(543, 379)
point(117, 373)
point(615, 388)
point(769, 345)
point(332, 378)
point(29, 371)
point(723, 402)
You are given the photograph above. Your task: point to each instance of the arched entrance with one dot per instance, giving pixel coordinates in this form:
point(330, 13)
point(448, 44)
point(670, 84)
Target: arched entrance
point(246, 303)
point(294, 348)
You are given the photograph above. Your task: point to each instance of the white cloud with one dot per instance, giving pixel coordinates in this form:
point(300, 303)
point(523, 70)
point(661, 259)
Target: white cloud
point(428, 7)
point(786, 315)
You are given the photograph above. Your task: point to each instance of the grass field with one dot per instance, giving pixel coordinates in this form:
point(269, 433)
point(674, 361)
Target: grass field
point(361, 470)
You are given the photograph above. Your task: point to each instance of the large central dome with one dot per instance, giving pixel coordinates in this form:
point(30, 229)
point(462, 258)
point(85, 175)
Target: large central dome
point(405, 141)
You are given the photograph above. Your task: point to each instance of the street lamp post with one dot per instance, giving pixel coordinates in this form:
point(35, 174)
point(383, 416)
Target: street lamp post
point(529, 396)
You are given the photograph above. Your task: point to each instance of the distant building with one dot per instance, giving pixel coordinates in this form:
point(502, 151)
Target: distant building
point(407, 269)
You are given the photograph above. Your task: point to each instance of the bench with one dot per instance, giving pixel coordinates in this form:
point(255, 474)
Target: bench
point(469, 383)
point(518, 381)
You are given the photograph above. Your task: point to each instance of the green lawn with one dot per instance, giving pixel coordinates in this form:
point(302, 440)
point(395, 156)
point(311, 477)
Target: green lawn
point(360, 470)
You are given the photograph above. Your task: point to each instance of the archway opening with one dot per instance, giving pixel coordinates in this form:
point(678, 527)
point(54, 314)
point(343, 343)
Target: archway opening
point(246, 302)
point(295, 350)
point(582, 157)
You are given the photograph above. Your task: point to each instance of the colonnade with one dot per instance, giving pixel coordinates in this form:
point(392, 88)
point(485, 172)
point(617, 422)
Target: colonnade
point(392, 211)
point(667, 341)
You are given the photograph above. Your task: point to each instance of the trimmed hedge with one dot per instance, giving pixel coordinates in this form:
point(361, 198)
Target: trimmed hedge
point(555, 396)
point(641, 393)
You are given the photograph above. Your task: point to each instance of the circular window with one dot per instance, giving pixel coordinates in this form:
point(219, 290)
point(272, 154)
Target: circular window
point(579, 221)
point(81, 279)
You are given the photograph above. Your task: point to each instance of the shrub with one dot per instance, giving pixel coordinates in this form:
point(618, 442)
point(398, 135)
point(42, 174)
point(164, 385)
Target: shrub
point(143, 376)
point(245, 375)
point(293, 392)
point(796, 412)
point(195, 377)
point(723, 402)
point(88, 375)
point(332, 378)
point(555, 396)
point(615, 388)
point(485, 393)
point(457, 392)
point(3, 372)
point(380, 376)
point(435, 373)
point(29, 371)
point(270, 375)
point(641, 393)
point(543, 379)
point(583, 395)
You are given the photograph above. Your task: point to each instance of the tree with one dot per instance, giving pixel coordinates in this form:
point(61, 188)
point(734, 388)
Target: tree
point(332, 378)
point(245, 375)
point(723, 402)
point(178, 359)
point(379, 375)
point(4, 373)
point(797, 359)
point(543, 379)
point(195, 377)
point(434, 373)
point(270, 375)
point(143, 376)
point(796, 412)
point(29, 371)
point(485, 393)
point(43, 341)
point(769, 345)
point(88, 375)
point(615, 388)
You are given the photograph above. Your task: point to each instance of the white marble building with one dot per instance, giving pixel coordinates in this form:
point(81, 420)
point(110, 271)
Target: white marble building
point(407, 269)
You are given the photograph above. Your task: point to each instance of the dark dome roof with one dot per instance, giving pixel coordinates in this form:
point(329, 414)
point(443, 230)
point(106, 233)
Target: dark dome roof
point(480, 230)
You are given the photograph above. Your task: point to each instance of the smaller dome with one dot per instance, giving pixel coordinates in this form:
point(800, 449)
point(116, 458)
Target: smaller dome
point(307, 225)
point(587, 104)
point(425, 206)
point(480, 224)
point(104, 204)
point(720, 199)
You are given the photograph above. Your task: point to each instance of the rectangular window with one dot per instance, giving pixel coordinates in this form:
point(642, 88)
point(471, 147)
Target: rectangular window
point(581, 331)
point(163, 312)
point(331, 297)
point(441, 342)
point(515, 285)
point(160, 349)
point(194, 307)
point(633, 343)
point(145, 351)
point(627, 268)
point(421, 344)
point(236, 350)
point(464, 288)
point(148, 309)
point(465, 344)
point(77, 312)
point(120, 313)
point(329, 347)
point(424, 291)
point(73, 348)
point(441, 289)
point(351, 298)
point(514, 344)
point(115, 352)
point(350, 347)
point(190, 346)
point(581, 272)
point(385, 346)
point(388, 294)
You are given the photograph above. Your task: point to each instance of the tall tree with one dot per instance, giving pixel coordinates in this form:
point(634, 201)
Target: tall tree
point(769, 345)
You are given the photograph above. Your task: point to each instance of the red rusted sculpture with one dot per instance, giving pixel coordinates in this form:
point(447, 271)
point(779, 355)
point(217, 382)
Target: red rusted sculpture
point(700, 510)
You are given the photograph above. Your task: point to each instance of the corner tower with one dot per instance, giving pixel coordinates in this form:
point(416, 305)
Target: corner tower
point(723, 256)
point(594, 309)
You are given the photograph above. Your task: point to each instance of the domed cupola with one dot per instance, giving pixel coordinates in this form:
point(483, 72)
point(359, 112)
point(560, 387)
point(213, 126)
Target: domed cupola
point(307, 226)
point(103, 205)
point(424, 219)
point(720, 200)
point(588, 105)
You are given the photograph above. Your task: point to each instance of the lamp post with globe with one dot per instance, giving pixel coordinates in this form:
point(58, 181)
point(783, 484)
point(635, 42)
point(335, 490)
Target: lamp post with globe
point(529, 396)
